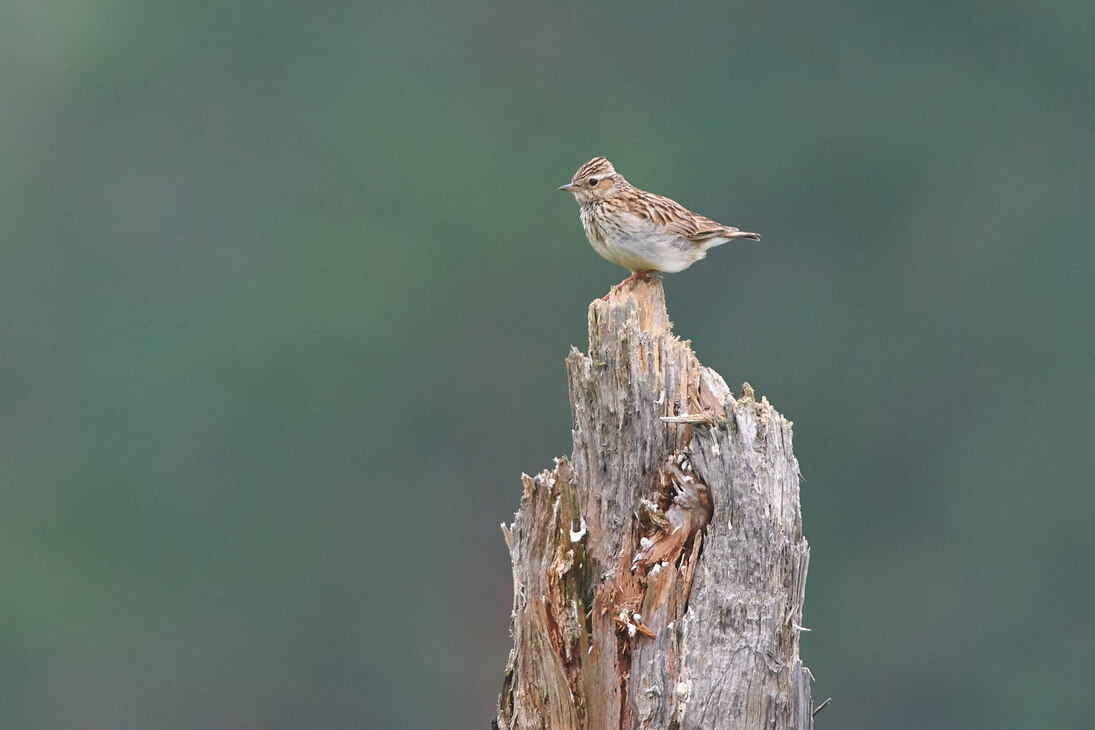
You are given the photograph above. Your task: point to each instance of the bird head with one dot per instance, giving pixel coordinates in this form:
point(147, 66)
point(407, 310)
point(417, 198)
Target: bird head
point(595, 180)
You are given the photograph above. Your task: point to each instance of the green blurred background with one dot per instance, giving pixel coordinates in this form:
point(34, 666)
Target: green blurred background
point(286, 290)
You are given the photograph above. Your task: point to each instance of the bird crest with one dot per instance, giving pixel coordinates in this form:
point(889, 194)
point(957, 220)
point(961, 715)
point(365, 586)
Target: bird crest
point(597, 166)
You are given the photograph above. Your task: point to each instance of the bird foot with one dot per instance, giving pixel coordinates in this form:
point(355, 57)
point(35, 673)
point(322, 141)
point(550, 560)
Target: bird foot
point(635, 277)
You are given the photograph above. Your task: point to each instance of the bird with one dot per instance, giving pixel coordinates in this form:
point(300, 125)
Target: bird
point(643, 232)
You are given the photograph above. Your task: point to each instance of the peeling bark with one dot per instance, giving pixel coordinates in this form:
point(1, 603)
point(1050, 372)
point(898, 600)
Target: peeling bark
point(659, 573)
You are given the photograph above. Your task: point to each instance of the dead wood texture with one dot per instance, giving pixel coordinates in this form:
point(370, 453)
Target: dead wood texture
point(659, 573)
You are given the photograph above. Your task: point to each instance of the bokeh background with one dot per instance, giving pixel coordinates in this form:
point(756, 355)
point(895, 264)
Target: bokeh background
point(286, 289)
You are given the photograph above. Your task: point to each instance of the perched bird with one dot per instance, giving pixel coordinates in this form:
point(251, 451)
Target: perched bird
point(638, 230)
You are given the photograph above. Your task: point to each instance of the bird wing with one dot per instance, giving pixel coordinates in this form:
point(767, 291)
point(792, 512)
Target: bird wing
point(679, 220)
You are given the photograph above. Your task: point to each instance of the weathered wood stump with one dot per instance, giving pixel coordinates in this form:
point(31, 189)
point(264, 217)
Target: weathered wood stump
point(659, 573)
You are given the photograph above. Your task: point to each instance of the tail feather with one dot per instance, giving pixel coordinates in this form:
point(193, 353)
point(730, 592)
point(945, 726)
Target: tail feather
point(720, 236)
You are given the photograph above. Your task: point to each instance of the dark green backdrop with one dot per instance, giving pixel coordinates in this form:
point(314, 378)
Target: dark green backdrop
point(286, 288)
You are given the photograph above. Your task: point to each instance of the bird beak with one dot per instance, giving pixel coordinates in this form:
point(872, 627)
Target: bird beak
point(569, 187)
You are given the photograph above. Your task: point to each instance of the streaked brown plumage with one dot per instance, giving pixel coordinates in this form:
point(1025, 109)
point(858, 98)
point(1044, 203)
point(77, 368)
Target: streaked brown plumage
point(641, 231)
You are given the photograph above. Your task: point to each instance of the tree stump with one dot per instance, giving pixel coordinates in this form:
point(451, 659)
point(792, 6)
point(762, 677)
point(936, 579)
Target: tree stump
point(659, 573)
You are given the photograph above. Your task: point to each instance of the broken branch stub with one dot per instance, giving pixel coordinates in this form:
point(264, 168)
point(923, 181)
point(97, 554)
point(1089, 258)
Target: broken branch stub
point(659, 573)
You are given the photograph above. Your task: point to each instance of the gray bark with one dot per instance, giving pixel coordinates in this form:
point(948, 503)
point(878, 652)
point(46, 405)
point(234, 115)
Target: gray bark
point(659, 573)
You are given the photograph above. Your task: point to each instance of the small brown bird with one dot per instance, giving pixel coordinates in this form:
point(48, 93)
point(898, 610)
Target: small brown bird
point(638, 230)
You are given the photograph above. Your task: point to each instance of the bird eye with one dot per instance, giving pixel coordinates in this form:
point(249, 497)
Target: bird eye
point(593, 182)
